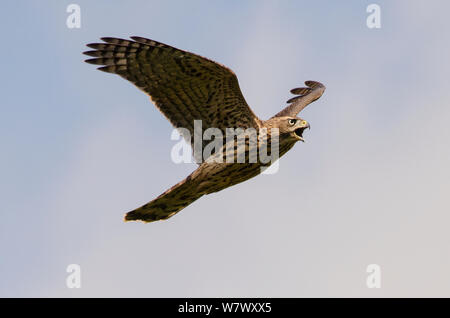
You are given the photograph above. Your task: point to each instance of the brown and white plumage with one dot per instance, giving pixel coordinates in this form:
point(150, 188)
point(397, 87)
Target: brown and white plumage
point(183, 85)
point(187, 87)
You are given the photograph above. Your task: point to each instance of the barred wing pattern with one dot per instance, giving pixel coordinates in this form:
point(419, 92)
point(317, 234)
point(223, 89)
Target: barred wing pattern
point(184, 86)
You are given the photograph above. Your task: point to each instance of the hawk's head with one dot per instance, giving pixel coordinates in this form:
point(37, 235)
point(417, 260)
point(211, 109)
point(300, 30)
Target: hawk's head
point(289, 127)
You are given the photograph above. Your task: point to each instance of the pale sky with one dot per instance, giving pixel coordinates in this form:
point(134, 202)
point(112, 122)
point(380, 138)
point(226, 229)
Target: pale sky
point(369, 186)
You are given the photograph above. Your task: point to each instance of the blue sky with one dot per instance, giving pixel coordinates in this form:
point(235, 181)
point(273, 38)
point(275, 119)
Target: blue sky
point(81, 147)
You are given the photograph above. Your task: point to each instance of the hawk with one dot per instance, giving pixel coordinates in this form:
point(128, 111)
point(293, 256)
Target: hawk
point(186, 87)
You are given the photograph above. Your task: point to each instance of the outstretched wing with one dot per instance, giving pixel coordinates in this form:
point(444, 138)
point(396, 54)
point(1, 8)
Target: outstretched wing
point(184, 86)
point(306, 95)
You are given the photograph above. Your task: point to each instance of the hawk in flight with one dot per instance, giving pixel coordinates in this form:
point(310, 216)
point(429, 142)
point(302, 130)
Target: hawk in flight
point(187, 87)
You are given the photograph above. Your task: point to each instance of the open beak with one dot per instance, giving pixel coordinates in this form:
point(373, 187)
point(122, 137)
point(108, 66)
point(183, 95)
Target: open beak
point(299, 131)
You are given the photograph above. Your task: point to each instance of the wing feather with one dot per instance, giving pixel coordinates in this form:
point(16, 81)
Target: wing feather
point(306, 95)
point(184, 86)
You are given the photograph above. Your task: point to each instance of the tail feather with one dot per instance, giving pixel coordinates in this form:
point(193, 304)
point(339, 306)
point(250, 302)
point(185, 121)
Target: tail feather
point(167, 204)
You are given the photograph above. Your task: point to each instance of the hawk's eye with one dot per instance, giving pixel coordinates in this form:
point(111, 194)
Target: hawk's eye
point(292, 122)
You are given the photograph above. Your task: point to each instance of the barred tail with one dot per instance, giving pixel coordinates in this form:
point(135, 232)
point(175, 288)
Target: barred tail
point(167, 204)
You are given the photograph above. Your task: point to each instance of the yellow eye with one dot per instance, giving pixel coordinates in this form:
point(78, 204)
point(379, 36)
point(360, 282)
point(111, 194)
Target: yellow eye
point(292, 122)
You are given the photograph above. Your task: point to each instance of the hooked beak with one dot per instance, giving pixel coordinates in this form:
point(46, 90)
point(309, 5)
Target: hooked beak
point(299, 131)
